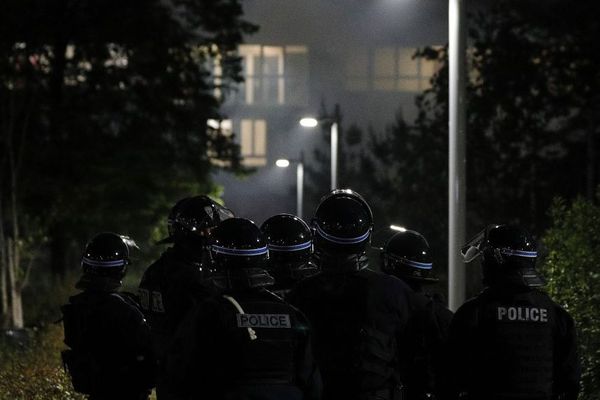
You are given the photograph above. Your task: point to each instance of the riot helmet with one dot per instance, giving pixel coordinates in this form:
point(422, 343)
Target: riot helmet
point(237, 243)
point(506, 251)
point(105, 260)
point(171, 221)
point(342, 227)
point(193, 221)
point(406, 255)
point(289, 240)
point(288, 237)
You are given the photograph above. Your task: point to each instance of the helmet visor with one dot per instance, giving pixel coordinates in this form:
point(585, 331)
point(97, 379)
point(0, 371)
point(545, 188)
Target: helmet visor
point(223, 213)
point(472, 249)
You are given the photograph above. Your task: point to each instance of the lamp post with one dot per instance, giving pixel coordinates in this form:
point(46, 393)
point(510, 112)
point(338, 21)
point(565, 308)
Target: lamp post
point(457, 153)
point(311, 122)
point(284, 163)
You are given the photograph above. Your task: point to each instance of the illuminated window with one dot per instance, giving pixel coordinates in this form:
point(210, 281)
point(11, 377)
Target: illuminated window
point(274, 75)
point(389, 69)
point(253, 142)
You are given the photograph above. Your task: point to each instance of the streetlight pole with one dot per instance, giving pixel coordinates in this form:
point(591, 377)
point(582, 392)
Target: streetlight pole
point(284, 163)
point(334, 154)
point(334, 120)
point(300, 186)
point(457, 153)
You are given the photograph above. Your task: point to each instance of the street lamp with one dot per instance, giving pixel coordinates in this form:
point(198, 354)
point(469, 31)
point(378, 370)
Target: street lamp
point(284, 163)
point(456, 152)
point(311, 122)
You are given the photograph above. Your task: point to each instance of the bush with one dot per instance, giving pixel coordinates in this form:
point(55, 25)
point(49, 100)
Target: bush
point(34, 371)
point(571, 267)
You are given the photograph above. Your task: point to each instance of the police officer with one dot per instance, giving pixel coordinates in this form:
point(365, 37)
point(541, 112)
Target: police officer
point(175, 283)
point(406, 255)
point(110, 354)
point(245, 343)
point(511, 341)
point(289, 240)
point(359, 316)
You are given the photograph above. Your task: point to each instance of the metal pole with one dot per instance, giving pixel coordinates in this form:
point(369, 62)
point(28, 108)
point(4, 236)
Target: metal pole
point(457, 153)
point(299, 187)
point(334, 154)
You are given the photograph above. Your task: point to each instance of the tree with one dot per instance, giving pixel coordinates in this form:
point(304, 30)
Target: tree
point(532, 122)
point(570, 267)
point(104, 115)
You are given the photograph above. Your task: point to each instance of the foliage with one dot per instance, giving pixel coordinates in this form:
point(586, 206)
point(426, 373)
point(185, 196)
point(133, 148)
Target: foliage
point(118, 102)
point(35, 371)
point(103, 120)
point(532, 119)
point(571, 268)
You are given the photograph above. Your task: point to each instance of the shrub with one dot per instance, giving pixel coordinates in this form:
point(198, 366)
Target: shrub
point(571, 268)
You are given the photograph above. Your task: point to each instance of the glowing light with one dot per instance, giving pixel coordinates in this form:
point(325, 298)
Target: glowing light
point(398, 228)
point(309, 122)
point(282, 163)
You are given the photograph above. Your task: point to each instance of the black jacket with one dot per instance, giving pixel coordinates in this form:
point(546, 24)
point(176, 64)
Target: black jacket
point(360, 321)
point(110, 352)
point(169, 289)
point(428, 327)
point(512, 342)
point(263, 352)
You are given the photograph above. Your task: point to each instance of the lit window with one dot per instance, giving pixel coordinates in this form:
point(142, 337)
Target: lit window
point(274, 75)
point(389, 69)
point(253, 142)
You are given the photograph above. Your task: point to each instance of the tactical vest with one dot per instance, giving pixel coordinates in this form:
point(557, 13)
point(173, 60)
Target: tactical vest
point(515, 336)
point(168, 290)
point(265, 334)
point(94, 369)
point(355, 340)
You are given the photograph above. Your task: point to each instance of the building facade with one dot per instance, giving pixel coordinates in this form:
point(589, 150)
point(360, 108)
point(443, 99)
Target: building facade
point(307, 57)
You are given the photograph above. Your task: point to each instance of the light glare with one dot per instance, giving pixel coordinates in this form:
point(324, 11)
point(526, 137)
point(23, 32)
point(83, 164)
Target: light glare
point(398, 228)
point(309, 122)
point(282, 163)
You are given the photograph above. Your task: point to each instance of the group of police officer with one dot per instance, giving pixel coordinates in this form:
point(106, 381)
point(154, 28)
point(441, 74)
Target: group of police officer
point(287, 311)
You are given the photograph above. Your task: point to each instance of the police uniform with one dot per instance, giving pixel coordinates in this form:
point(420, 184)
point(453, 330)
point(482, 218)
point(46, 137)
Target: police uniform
point(173, 284)
point(406, 255)
point(169, 289)
point(110, 356)
point(360, 322)
point(245, 343)
point(428, 327)
point(110, 352)
point(513, 343)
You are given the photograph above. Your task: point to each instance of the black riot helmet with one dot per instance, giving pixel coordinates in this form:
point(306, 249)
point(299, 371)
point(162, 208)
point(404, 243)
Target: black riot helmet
point(288, 237)
point(171, 221)
point(194, 218)
point(406, 255)
point(507, 251)
point(104, 261)
point(237, 243)
point(342, 226)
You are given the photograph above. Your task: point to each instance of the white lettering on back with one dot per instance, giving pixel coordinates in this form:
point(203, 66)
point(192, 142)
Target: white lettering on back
point(527, 314)
point(263, 321)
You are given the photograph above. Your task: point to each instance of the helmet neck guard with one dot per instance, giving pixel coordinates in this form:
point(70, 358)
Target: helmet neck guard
point(341, 263)
point(244, 278)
